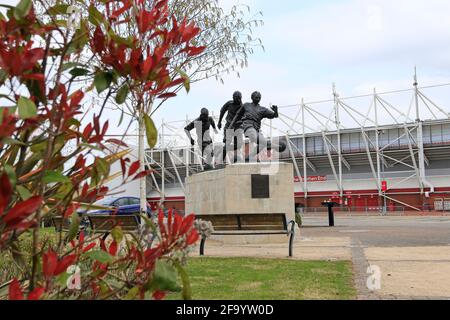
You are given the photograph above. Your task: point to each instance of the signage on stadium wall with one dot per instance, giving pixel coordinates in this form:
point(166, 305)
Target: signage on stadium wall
point(384, 186)
point(311, 179)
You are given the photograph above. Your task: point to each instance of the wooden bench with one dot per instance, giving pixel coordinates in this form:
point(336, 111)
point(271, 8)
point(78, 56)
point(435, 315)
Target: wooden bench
point(104, 223)
point(249, 224)
point(60, 223)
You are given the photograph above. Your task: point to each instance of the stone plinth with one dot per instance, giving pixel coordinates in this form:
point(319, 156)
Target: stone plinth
point(229, 191)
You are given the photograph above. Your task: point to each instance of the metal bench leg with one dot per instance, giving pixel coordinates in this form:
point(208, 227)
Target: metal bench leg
point(202, 246)
point(291, 242)
point(291, 238)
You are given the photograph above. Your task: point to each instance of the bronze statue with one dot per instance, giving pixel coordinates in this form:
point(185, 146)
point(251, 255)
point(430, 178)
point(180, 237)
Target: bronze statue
point(202, 125)
point(251, 123)
point(233, 120)
point(232, 133)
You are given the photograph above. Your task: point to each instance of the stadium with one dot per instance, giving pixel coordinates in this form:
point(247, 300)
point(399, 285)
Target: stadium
point(385, 153)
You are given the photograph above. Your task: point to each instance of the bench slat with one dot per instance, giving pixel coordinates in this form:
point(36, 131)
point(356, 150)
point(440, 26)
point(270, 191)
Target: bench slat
point(59, 221)
point(105, 223)
point(237, 222)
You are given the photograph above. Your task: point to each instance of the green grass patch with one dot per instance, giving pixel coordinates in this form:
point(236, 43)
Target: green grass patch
point(266, 279)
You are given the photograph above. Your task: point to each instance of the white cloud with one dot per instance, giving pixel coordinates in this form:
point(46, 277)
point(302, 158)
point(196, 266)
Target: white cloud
point(370, 31)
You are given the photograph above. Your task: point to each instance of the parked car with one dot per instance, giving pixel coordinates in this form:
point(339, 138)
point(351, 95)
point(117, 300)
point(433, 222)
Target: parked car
point(120, 205)
point(123, 205)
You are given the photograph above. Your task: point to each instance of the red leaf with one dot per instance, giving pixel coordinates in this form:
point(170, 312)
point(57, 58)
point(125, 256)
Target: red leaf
point(76, 98)
point(193, 51)
point(158, 295)
point(187, 224)
point(64, 264)
point(87, 131)
point(99, 40)
point(5, 191)
point(15, 293)
point(176, 224)
point(142, 174)
point(122, 165)
point(133, 168)
point(34, 76)
point(192, 237)
point(71, 209)
point(167, 95)
point(22, 210)
point(118, 12)
point(117, 142)
point(105, 127)
point(89, 247)
point(49, 263)
point(113, 248)
point(36, 293)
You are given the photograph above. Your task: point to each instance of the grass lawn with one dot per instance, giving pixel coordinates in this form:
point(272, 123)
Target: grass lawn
point(265, 279)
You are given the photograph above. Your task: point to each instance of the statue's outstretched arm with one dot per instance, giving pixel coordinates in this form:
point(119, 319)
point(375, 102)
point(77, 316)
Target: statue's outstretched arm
point(271, 114)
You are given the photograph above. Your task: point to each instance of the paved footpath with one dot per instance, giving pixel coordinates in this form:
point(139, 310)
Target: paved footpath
point(412, 253)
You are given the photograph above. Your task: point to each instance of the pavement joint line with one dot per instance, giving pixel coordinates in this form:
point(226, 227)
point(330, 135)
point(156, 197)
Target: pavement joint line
point(360, 265)
point(407, 260)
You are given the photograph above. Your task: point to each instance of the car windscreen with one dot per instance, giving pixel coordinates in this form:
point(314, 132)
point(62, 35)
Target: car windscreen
point(105, 202)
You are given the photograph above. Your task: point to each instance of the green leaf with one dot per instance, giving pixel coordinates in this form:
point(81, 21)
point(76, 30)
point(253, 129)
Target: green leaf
point(23, 192)
point(90, 146)
point(39, 147)
point(76, 72)
point(132, 293)
point(165, 277)
point(3, 75)
point(117, 234)
point(187, 290)
point(126, 41)
point(22, 9)
point(80, 38)
point(100, 256)
point(122, 94)
point(58, 9)
point(187, 82)
point(150, 130)
point(62, 279)
point(95, 16)
point(102, 81)
point(9, 169)
point(11, 141)
point(121, 118)
point(74, 227)
point(27, 108)
point(9, 110)
point(74, 122)
point(102, 166)
point(69, 65)
point(55, 176)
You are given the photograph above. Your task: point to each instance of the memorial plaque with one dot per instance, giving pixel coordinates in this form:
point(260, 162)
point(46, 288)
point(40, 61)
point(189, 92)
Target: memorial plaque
point(260, 186)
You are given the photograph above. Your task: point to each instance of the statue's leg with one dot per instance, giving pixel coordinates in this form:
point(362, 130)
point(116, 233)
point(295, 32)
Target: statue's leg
point(227, 141)
point(252, 135)
point(262, 144)
point(208, 152)
point(239, 145)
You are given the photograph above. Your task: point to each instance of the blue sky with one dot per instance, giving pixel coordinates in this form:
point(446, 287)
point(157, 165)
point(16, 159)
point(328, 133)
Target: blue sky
point(358, 44)
point(309, 44)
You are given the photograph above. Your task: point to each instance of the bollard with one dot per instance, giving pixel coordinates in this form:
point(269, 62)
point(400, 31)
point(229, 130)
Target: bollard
point(330, 206)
